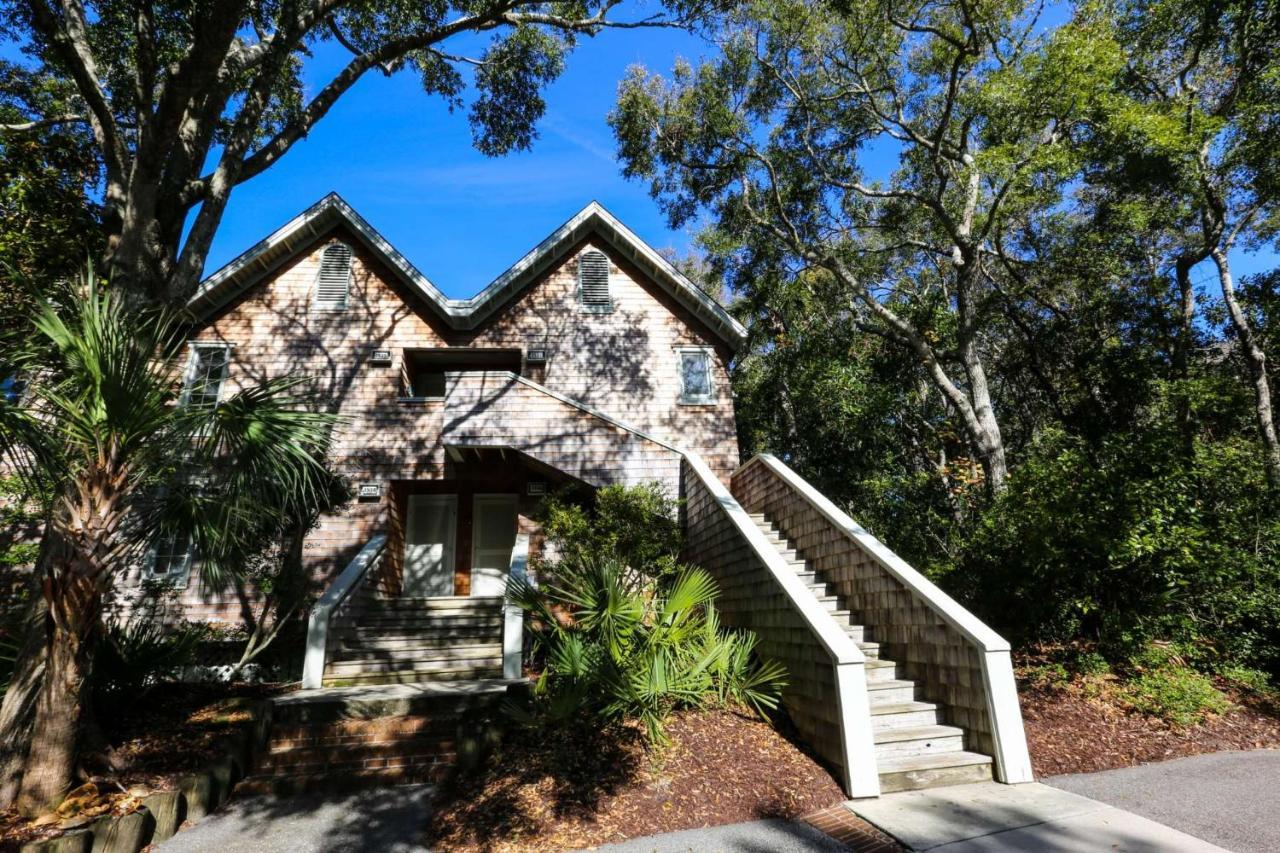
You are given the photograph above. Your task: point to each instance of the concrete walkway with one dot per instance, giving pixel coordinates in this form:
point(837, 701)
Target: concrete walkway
point(991, 817)
point(1229, 798)
point(387, 819)
point(759, 836)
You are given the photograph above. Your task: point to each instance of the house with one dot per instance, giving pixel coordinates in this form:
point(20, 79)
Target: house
point(590, 361)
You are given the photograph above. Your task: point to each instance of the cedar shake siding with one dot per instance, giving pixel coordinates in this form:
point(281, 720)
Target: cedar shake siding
point(623, 363)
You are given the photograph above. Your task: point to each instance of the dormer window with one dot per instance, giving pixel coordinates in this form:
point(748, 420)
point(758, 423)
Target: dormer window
point(334, 279)
point(593, 282)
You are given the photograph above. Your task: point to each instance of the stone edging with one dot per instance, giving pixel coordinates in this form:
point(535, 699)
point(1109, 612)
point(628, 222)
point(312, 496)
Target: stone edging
point(163, 813)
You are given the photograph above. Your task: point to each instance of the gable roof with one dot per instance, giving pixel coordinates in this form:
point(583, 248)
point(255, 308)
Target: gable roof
point(464, 314)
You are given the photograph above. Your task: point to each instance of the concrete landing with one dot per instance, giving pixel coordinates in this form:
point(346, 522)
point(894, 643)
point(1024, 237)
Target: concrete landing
point(988, 816)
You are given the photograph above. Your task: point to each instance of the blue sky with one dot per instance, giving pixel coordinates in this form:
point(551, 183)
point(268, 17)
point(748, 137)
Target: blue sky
point(407, 164)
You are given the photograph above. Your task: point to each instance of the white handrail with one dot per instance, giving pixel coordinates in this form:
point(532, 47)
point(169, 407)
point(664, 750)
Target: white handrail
point(1013, 761)
point(944, 605)
point(318, 622)
point(858, 744)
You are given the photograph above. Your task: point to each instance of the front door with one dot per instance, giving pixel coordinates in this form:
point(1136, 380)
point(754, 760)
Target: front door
point(430, 521)
point(493, 536)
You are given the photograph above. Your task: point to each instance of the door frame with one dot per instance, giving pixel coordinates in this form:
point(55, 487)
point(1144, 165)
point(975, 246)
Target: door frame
point(451, 556)
point(491, 497)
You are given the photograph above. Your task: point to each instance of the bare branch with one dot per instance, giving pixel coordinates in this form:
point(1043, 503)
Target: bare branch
point(36, 124)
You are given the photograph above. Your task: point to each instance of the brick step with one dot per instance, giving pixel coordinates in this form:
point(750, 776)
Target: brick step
point(340, 668)
point(917, 740)
point(348, 780)
point(412, 676)
point(469, 651)
point(359, 756)
point(933, 770)
point(891, 691)
point(894, 715)
point(377, 730)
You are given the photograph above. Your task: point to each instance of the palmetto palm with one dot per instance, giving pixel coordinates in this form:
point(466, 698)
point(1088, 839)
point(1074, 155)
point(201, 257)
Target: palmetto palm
point(101, 429)
point(639, 653)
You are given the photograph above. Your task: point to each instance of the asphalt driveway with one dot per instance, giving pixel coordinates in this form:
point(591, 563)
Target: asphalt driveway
point(1231, 799)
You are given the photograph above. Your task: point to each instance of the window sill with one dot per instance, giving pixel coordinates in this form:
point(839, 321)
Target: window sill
point(595, 309)
point(418, 401)
point(707, 402)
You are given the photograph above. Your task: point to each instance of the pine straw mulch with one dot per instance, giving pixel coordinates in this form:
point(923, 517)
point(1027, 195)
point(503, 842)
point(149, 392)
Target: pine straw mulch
point(153, 742)
point(1082, 726)
point(579, 786)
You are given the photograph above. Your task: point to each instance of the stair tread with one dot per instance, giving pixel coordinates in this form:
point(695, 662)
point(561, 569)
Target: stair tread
point(880, 708)
point(917, 733)
point(931, 761)
point(890, 684)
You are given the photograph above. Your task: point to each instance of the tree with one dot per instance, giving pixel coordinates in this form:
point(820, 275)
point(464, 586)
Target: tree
point(1194, 141)
point(779, 138)
point(166, 89)
point(99, 429)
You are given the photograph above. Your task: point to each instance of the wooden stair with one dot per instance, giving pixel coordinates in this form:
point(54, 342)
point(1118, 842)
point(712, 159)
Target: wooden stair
point(415, 640)
point(915, 749)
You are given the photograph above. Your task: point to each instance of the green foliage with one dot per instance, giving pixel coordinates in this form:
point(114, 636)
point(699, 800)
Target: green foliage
point(134, 656)
point(638, 526)
point(1165, 687)
point(623, 631)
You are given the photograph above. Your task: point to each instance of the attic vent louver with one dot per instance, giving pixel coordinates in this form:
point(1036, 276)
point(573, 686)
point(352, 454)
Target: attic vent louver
point(334, 279)
point(593, 281)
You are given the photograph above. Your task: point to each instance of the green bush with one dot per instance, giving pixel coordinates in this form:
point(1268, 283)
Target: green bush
point(620, 653)
point(637, 526)
point(136, 655)
point(622, 630)
point(1176, 694)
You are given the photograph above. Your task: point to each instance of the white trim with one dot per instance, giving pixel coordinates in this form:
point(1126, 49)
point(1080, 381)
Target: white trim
point(1013, 762)
point(318, 622)
point(513, 616)
point(273, 251)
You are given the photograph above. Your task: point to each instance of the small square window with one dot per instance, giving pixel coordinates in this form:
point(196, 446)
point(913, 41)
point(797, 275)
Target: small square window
point(170, 559)
point(695, 376)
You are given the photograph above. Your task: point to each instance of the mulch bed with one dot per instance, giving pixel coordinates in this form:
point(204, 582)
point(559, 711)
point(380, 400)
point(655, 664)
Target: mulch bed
point(580, 787)
point(1078, 728)
point(154, 741)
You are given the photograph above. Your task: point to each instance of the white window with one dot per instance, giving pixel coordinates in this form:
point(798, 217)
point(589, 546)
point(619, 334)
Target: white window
point(334, 279)
point(593, 282)
point(170, 559)
point(205, 374)
point(695, 376)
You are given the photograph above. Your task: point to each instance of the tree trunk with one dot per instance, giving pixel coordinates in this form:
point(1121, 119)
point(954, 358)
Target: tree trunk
point(73, 603)
point(1182, 352)
point(17, 714)
point(1256, 360)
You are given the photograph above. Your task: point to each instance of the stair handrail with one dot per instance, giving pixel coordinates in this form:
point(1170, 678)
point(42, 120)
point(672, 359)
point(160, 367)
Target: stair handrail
point(1013, 762)
point(321, 613)
point(861, 778)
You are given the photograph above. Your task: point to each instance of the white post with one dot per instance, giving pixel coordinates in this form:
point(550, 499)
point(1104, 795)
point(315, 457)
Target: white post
point(513, 616)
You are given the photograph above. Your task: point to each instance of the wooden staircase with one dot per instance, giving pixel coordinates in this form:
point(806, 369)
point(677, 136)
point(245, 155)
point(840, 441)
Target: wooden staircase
point(914, 747)
point(414, 640)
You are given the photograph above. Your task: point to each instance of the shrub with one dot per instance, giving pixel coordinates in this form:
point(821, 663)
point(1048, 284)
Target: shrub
point(136, 655)
point(638, 526)
point(1164, 686)
point(621, 653)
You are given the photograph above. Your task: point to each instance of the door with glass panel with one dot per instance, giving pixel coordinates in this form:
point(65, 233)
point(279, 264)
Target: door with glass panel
point(493, 535)
point(430, 522)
